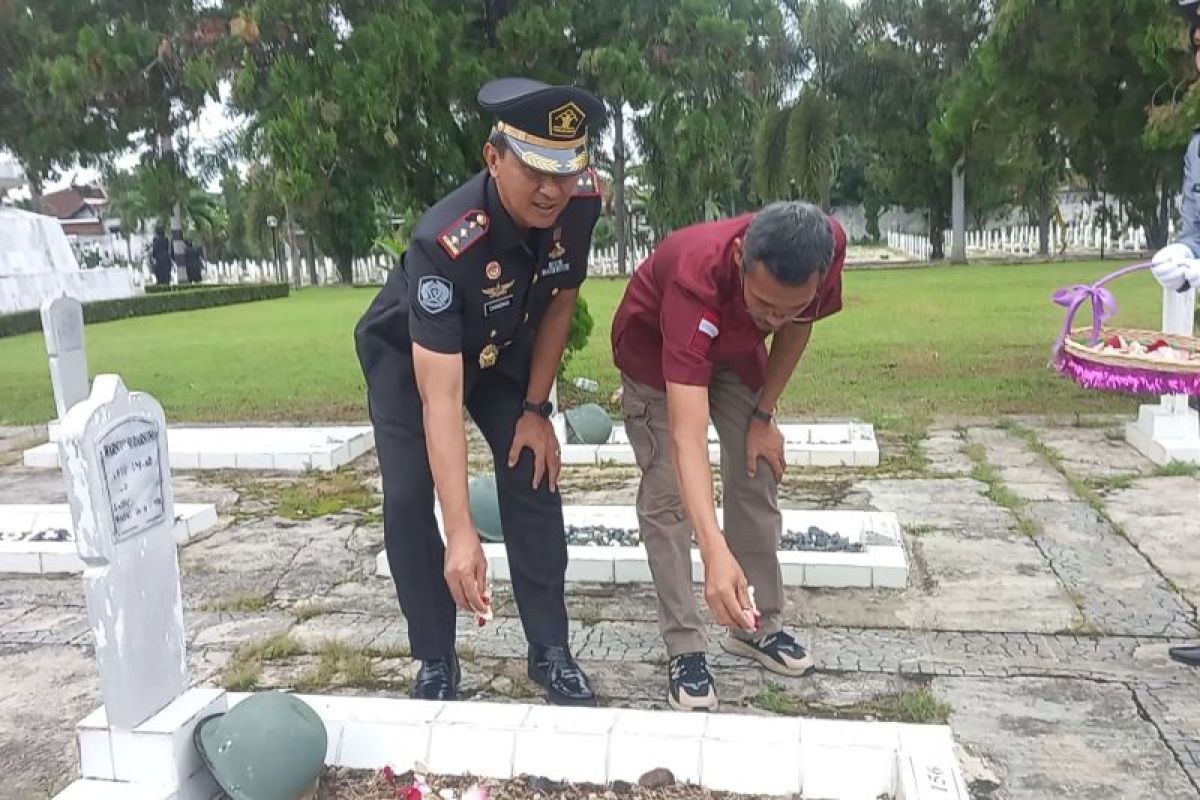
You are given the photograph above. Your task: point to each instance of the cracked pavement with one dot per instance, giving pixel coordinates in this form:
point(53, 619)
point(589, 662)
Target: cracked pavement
point(1040, 614)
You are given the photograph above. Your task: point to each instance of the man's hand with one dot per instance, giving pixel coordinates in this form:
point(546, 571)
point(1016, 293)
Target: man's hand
point(764, 440)
point(536, 433)
point(726, 591)
point(466, 571)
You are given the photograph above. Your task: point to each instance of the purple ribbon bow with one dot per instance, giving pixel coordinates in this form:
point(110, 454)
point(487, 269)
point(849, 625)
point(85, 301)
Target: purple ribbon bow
point(1104, 306)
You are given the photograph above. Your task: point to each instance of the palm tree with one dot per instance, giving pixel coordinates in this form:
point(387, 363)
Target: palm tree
point(794, 152)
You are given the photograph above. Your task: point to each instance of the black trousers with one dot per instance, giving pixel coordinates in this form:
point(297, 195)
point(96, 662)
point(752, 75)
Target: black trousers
point(532, 519)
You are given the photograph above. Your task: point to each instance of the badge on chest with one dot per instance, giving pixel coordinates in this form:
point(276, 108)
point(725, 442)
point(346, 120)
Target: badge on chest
point(499, 297)
point(558, 263)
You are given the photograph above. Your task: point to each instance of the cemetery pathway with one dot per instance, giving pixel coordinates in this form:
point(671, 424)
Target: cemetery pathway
point(1051, 568)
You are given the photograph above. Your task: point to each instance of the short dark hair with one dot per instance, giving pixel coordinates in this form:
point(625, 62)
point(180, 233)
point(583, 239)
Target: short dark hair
point(499, 141)
point(791, 239)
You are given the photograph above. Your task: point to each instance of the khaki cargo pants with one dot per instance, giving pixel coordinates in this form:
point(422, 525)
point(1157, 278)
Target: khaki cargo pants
point(752, 522)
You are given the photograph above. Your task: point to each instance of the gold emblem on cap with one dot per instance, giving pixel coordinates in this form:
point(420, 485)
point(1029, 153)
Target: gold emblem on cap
point(487, 356)
point(565, 121)
point(493, 270)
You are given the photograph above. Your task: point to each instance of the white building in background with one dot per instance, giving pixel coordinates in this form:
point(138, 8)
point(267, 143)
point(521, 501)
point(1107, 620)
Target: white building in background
point(37, 263)
point(11, 176)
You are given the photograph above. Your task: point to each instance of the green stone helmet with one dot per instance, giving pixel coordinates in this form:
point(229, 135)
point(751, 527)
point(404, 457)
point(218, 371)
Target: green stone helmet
point(588, 424)
point(270, 746)
point(485, 508)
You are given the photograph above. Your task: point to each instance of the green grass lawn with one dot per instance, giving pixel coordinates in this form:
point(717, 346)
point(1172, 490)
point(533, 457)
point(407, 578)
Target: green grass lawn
point(909, 345)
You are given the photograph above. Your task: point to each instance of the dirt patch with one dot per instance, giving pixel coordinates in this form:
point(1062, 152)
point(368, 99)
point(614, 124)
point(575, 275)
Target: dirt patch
point(342, 784)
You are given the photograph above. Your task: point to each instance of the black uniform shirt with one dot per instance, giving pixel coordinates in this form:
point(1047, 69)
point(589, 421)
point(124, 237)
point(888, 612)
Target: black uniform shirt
point(471, 282)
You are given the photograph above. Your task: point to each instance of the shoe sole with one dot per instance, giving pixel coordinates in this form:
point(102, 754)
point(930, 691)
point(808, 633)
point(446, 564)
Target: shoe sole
point(706, 709)
point(559, 699)
point(737, 647)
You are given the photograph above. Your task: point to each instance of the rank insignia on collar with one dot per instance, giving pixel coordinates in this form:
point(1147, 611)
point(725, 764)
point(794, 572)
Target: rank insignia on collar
point(465, 232)
point(588, 185)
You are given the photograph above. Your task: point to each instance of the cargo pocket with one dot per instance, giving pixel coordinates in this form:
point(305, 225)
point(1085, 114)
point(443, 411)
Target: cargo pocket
point(637, 428)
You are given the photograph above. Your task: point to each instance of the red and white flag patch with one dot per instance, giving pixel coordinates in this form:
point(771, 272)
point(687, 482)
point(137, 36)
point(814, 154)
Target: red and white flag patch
point(706, 331)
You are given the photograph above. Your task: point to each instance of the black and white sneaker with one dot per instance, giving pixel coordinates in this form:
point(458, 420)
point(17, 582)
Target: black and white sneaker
point(691, 684)
point(778, 652)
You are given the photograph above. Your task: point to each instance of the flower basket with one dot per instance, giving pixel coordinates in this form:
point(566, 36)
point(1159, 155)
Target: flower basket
point(1120, 359)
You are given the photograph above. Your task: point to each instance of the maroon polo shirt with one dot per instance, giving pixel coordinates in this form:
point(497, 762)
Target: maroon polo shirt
point(683, 313)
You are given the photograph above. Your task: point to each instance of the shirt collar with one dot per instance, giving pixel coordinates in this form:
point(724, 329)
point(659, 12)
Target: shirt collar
point(504, 233)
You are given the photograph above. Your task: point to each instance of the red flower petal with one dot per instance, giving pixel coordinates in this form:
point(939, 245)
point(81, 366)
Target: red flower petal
point(389, 775)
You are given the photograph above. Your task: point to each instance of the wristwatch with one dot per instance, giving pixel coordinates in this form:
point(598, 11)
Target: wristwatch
point(762, 416)
point(545, 409)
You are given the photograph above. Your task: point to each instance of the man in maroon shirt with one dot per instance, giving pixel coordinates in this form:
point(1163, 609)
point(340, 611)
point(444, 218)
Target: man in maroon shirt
point(689, 339)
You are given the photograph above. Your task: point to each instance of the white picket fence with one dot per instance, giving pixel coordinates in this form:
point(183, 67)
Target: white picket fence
point(603, 260)
point(1075, 238)
point(367, 271)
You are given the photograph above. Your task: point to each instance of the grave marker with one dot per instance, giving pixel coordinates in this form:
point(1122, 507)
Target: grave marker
point(114, 450)
point(62, 326)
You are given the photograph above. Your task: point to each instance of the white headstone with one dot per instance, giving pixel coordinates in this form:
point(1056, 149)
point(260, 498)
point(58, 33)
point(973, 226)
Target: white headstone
point(114, 453)
point(62, 325)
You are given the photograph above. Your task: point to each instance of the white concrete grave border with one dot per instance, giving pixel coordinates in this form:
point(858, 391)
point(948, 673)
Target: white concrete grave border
point(290, 449)
point(880, 566)
point(140, 743)
point(56, 558)
point(830, 759)
point(281, 449)
point(829, 444)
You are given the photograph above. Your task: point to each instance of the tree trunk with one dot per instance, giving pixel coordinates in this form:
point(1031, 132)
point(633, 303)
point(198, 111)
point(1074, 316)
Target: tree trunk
point(36, 186)
point(871, 212)
point(936, 227)
point(1043, 226)
point(312, 259)
point(166, 152)
point(958, 212)
point(345, 267)
point(293, 253)
point(1158, 232)
point(619, 187)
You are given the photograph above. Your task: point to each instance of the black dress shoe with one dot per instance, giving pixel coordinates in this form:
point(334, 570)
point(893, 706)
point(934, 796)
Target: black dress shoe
point(555, 670)
point(437, 680)
point(1189, 655)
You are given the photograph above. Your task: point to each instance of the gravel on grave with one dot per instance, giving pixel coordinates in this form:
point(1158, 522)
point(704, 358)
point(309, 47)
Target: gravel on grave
point(813, 539)
point(347, 784)
point(45, 535)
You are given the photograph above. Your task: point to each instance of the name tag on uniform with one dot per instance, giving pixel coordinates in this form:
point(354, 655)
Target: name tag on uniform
point(499, 304)
point(556, 267)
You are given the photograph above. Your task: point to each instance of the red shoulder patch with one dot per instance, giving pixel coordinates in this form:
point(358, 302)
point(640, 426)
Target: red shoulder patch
point(465, 232)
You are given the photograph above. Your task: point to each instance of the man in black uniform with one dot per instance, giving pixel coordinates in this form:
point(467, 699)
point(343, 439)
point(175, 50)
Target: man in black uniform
point(478, 313)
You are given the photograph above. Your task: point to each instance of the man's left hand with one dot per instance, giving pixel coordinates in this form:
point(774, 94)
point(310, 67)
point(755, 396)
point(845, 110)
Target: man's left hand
point(764, 440)
point(536, 433)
